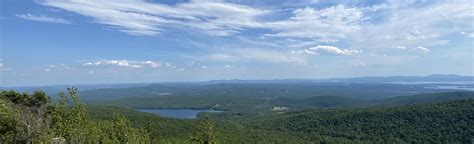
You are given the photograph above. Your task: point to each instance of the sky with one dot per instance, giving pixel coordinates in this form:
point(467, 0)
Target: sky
point(49, 42)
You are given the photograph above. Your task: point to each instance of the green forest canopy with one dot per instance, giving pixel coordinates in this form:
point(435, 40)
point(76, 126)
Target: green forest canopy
point(34, 118)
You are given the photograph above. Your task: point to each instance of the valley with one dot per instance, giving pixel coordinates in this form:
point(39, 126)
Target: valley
point(287, 111)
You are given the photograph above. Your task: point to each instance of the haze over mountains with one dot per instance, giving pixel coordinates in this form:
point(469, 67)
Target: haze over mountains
point(369, 79)
point(374, 79)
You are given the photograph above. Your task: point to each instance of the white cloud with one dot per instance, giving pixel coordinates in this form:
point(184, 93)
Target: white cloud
point(227, 66)
point(402, 25)
point(327, 25)
point(47, 70)
point(204, 67)
point(222, 57)
point(152, 64)
point(124, 63)
point(139, 17)
point(263, 43)
point(2, 67)
point(257, 55)
point(412, 25)
point(411, 35)
point(271, 56)
point(401, 47)
point(331, 50)
point(167, 64)
point(216, 18)
point(360, 64)
point(54, 67)
point(43, 18)
point(421, 49)
point(467, 34)
point(418, 49)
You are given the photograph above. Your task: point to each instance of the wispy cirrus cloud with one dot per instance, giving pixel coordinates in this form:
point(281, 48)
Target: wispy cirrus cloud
point(43, 18)
point(257, 55)
point(418, 49)
point(421, 49)
point(214, 18)
point(424, 23)
point(330, 50)
point(328, 24)
point(139, 17)
point(123, 63)
point(222, 57)
point(386, 24)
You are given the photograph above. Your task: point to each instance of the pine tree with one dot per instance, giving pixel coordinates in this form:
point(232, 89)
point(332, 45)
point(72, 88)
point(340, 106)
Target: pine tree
point(206, 132)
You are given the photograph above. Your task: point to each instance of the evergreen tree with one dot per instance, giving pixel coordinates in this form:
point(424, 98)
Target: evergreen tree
point(206, 132)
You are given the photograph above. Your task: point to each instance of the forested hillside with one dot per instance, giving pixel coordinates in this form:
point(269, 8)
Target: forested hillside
point(32, 118)
point(263, 103)
point(268, 89)
point(448, 122)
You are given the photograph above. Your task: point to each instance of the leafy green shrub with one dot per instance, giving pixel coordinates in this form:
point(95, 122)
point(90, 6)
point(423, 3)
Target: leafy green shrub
point(32, 118)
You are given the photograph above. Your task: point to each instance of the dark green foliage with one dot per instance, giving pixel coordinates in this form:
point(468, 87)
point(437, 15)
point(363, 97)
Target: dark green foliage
point(247, 106)
point(427, 123)
point(31, 118)
point(427, 98)
point(9, 121)
point(28, 118)
point(168, 130)
point(206, 131)
point(450, 122)
point(160, 129)
point(25, 118)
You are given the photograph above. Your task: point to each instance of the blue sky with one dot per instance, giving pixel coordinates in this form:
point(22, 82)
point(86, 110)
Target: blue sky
point(45, 42)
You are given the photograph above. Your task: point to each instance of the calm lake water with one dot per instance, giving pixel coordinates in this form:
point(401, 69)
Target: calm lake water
point(177, 113)
point(452, 87)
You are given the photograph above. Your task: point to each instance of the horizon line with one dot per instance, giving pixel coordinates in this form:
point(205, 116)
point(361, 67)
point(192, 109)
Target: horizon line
point(197, 81)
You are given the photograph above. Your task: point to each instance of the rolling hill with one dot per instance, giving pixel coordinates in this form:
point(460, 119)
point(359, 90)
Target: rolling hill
point(447, 122)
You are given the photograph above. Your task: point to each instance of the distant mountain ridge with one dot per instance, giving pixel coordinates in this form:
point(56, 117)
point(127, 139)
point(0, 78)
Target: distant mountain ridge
point(430, 78)
point(426, 98)
point(54, 89)
point(375, 79)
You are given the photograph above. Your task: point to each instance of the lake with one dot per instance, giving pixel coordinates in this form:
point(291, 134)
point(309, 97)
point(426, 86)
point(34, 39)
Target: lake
point(177, 113)
point(452, 87)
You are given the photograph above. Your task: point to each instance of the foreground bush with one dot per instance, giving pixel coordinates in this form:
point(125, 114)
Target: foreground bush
point(32, 118)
